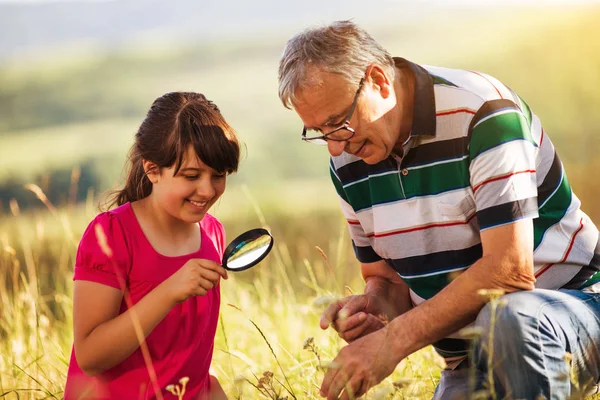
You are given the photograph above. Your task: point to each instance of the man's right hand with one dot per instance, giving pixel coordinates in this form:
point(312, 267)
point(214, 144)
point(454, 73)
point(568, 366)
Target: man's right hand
point(355, 316)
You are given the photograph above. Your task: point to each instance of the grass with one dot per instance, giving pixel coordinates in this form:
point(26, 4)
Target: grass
point(268, 313)
point(268, 344)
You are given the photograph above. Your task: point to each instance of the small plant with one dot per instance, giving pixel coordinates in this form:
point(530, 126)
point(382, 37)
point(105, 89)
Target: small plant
point(178, 389)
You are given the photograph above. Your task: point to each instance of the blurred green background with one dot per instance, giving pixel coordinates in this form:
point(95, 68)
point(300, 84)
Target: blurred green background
point(77, 77)
point(76, 103)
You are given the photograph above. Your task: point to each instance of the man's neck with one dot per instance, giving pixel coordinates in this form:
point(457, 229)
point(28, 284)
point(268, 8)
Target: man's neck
point(404, 90)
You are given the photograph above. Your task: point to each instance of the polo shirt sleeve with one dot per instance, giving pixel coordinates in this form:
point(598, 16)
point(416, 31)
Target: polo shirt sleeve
point(360, 242)
point(502, 170)
point(102, 255)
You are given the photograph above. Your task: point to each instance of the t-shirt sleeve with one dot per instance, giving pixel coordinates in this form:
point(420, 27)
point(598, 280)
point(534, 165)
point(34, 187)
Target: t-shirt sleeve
point(503, 164)
point(360, 242)
point(103, 255)
point(215, 231)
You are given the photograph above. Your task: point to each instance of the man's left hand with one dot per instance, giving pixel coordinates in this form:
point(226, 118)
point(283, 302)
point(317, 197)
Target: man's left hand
point(360, 366)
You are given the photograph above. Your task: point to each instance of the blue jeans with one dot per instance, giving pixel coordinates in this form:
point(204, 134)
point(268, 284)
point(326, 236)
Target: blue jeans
point(532, 333)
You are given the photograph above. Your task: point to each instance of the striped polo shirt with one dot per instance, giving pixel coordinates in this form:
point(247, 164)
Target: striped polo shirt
point(477, 158)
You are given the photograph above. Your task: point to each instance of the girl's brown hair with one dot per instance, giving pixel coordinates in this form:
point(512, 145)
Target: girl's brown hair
point(175, 121)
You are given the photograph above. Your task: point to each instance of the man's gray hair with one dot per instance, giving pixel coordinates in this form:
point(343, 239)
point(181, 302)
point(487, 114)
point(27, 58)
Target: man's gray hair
point(340, 48)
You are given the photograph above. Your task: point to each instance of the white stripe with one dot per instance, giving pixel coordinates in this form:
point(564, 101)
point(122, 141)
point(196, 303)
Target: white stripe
point(370, 176)
point(412, 212)
point(438, 163)
point(495, 114)
point(517, 155)
point(449, 98)
point(433, 273)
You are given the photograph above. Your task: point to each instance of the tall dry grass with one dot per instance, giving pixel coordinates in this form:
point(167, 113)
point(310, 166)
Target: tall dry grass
point(268, 343)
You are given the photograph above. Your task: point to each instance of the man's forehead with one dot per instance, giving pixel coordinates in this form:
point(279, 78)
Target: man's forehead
point(319, 85)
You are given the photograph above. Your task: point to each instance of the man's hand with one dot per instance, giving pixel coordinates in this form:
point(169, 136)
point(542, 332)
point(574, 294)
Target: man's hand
point(355, 316)
point(360, 366)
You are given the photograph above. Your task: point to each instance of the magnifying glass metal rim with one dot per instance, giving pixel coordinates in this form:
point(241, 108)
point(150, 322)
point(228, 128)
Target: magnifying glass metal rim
point(253, 234)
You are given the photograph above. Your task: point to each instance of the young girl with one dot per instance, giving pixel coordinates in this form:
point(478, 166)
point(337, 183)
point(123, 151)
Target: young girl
point(148, 270)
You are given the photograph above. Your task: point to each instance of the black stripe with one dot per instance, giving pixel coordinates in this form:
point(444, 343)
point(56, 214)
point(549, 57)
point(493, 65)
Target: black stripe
point(551, 180)
point(506, 213)
point(440, 261)
point(586, 272)
point(359, 169)
point(423, 119)
point(487, 108)
point(365, 254)
point(451, 347)
point(436, 151)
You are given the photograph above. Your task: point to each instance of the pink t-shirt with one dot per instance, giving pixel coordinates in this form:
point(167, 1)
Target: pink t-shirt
point(181, 345)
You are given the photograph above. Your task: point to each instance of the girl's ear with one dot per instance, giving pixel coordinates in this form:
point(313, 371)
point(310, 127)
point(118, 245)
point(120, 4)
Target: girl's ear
point(151, 170)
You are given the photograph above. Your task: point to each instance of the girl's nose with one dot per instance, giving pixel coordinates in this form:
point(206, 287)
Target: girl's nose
point(205, 188)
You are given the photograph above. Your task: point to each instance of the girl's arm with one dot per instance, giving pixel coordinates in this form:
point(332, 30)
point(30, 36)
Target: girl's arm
point(103, 338)
point(216, 391)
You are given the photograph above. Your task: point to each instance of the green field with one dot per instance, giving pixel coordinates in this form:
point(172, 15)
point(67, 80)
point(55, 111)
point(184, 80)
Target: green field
point(81, 110)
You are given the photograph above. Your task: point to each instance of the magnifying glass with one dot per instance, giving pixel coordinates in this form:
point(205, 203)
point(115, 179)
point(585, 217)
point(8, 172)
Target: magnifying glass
point(247, 250)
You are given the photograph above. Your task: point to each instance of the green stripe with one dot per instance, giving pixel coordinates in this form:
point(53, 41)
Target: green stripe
point(526, 110)
point(338, 186)
point(423, 181)
point(428, 286)
point(497, 130)
point(438, 80)
point(593, 280)
point(553, 211)
point(375, 190)
point(426, 181)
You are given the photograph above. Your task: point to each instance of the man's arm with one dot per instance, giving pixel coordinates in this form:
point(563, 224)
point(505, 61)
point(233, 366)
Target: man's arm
point(506, 264)
point(386, 296)
point(384, 282)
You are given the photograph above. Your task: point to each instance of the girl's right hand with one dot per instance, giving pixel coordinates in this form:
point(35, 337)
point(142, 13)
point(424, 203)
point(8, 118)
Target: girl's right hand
point(195, 278)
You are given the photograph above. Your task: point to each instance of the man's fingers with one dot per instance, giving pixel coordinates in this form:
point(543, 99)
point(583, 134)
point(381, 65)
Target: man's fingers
point(355, 305)
point(338, 384)
point(328, 378)
point(345, 324)
point(330, 314)
point(352, 390)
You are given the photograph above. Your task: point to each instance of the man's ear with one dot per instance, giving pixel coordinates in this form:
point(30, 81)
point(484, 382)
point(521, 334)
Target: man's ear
point(151, 170)
point(380, 80)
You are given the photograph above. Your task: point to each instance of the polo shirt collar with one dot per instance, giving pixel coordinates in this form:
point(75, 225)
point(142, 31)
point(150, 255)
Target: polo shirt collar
point(424, 100)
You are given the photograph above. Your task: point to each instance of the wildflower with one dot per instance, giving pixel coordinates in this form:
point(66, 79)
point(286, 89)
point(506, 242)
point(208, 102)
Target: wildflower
point(308, 343)
point(171, 388)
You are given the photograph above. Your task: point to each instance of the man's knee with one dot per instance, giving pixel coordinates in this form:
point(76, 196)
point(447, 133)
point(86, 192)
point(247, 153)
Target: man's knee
point(506, 320)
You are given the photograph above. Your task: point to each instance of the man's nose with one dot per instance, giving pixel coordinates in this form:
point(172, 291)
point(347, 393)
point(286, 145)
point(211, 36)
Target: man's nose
point(335, 148)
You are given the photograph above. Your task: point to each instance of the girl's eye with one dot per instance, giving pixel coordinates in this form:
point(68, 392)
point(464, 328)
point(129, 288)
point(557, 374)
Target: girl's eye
point(191, 177)
point(219, 176)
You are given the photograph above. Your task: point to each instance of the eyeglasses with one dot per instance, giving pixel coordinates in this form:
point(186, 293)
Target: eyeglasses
point(339, 134)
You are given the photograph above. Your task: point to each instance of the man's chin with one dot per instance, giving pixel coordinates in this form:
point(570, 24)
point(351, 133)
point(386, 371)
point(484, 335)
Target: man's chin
point(372, 158)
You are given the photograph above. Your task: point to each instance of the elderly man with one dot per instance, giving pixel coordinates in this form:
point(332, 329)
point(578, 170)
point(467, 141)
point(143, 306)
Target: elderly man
point(450, 186)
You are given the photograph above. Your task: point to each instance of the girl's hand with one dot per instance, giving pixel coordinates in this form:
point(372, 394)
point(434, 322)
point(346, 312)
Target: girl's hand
point(195, 278)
